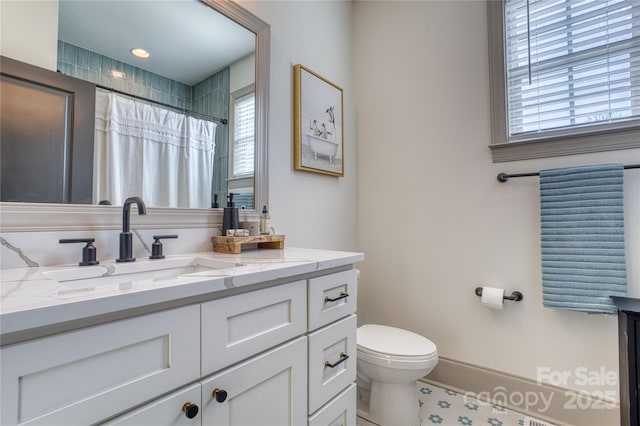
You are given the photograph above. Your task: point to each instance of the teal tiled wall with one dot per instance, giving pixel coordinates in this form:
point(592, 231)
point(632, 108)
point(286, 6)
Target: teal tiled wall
point(96, 68)
point(211, 97)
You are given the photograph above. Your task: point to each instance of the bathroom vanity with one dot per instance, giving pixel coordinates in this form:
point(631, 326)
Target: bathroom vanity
point(264, 337)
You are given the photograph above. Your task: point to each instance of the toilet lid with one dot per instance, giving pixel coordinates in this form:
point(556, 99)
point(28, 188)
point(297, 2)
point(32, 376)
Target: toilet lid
point(393, 341)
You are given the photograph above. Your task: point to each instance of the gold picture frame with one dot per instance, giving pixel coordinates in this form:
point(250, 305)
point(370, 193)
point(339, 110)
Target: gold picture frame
point(318, 123)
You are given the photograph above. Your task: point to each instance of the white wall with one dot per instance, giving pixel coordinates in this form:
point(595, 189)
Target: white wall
point(313, 210)
point(30, 31)
point(242, 73)
point(433, 221)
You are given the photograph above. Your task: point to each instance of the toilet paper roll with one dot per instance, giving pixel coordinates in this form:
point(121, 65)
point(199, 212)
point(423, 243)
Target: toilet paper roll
point(493, 298)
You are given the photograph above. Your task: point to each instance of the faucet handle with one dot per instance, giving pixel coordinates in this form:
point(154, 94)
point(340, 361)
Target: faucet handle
point(88, 252)
point(156, 247)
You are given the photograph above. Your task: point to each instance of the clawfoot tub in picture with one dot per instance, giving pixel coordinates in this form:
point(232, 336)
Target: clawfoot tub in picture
point(323, 147)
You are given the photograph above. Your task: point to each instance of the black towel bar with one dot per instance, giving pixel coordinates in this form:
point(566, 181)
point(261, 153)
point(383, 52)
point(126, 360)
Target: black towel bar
point(503, 177)
point(516, 296)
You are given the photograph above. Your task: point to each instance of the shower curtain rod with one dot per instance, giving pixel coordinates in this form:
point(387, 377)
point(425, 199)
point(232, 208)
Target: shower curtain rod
point(182, 110)
point(503, 177)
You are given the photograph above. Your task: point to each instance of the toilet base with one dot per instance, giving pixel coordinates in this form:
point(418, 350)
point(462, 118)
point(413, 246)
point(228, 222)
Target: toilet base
point(391, 404)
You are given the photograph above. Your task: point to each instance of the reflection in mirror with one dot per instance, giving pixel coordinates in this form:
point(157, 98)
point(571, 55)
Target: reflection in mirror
point(46, 133)
point(31, 44)
point(177, 127)
point(195, 60)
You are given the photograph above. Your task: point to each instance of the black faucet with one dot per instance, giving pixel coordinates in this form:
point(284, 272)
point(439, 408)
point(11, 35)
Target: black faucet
point(126, 238)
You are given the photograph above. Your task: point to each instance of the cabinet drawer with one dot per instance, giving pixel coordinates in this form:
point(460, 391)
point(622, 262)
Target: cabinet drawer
point(236, 327)
point(341, 288)
point(332, 345)
point(84, 376)
point(268, 389)
point(340, 411)
point(169, 411)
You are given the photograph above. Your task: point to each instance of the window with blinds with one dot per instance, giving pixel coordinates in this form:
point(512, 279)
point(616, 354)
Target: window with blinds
point(243, 135)
point(570, 68)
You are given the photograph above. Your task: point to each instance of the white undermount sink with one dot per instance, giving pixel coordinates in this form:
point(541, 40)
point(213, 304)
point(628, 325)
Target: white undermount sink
point(88, 277)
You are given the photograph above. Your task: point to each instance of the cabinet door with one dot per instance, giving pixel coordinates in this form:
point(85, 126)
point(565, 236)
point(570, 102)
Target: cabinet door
point(267, 390)
point(332, 361)
point(84, 376)
point(237, 327)
point(332, 297)
point(181, 408)
point(340, 411)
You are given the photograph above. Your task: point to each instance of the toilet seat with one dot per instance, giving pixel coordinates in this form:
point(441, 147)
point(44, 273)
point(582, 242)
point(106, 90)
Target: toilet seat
point(399, 358)
point(398, 362)
point(382, 339)
point(394, 347)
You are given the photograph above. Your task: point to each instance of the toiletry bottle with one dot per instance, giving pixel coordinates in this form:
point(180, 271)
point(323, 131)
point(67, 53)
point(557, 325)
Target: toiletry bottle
point(230, 216)
point(265, 222)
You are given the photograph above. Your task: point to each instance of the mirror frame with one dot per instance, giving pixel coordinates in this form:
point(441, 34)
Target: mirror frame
point(25, 217)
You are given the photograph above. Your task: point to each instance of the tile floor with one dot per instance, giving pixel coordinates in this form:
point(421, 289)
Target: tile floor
point(448, 408)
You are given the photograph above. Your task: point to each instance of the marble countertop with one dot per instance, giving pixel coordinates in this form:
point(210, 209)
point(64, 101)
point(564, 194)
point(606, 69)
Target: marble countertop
point(30, 299)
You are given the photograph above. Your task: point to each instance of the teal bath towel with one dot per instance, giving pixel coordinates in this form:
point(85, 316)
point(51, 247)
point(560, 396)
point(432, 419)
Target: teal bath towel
point(583, 260)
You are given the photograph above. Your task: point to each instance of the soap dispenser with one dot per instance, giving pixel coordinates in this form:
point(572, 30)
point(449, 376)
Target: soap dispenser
point(230, 216)
point(265, 222)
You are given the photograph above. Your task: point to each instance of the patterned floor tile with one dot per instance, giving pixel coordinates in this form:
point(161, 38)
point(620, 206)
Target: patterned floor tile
point(448, 408)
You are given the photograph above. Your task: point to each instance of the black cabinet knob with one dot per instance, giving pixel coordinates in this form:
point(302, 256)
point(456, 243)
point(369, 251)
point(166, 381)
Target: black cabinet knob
point(219, 395)
point(190, 410)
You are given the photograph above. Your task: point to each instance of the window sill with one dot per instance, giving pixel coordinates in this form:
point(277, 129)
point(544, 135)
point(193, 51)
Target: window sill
point(556, 147)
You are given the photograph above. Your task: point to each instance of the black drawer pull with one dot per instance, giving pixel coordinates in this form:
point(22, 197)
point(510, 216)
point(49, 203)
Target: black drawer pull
point(343, 358)
point(343, 295)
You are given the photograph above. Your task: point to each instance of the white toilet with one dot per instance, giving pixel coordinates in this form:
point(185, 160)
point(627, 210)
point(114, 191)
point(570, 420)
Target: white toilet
point(390, 360)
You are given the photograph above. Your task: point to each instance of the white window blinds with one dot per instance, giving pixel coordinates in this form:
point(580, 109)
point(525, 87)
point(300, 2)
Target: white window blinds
point(244, 135)
point(571, 65)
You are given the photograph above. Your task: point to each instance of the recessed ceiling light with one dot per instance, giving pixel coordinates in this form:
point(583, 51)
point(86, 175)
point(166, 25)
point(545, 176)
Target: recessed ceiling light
point(140, 53)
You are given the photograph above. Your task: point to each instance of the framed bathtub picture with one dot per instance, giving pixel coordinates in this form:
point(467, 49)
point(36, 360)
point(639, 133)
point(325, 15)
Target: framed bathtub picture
point(318, 143)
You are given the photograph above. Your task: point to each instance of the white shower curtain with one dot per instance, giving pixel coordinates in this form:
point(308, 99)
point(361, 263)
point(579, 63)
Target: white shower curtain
point(143, 150)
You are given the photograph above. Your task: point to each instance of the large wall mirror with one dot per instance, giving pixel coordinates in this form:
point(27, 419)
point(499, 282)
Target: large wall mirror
point(208, 68)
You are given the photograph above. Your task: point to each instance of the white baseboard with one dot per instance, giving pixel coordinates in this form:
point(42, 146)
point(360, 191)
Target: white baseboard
point(554, 404)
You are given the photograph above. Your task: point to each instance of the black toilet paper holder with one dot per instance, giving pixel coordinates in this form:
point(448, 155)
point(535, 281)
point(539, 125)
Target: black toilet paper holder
point(516, 296)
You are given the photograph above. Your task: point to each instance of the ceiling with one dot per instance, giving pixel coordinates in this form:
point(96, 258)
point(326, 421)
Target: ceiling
point(188, 41)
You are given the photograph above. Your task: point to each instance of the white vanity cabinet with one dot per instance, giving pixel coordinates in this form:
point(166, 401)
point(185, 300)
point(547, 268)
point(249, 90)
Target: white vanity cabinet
point(331, 297)
point(83, 376)
point(332, 353)
point(332, 302)
point(269, 389)
point(281, 354)
point(180, 408)
point(236, 327)
point(341, 411)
